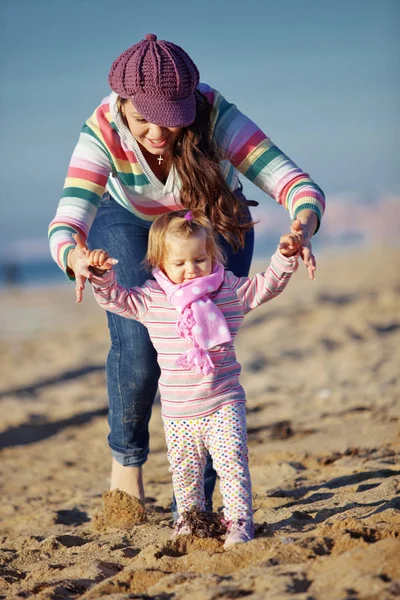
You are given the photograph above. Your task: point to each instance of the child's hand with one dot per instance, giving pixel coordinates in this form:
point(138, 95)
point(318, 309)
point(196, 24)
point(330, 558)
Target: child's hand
point(100, 260)
point(298, 242)
point(289, 244)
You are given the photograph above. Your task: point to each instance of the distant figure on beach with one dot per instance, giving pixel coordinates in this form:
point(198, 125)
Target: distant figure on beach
point(10, 273)
point(193, 309)
point(160, 142)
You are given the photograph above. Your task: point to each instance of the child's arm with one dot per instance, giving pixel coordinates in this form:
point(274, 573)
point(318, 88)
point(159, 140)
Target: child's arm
point(263, 287)
point(132, 303)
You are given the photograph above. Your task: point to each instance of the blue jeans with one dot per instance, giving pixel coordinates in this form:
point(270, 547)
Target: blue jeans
point(132, 369)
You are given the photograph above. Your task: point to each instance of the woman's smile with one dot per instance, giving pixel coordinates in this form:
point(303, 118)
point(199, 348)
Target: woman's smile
point(157, 143)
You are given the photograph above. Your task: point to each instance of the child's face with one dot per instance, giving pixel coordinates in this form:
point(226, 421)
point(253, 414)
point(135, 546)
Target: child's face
point(186, 258)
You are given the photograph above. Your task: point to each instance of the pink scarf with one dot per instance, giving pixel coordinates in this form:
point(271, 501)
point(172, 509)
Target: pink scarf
point(200, 321)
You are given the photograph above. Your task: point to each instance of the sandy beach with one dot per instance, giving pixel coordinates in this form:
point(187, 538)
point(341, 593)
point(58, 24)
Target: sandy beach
point(321, 372)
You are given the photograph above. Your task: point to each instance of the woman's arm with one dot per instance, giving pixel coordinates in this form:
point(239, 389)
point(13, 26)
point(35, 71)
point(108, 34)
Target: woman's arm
point(255, 156)
point(309, 220)
point(250, 151)
point(84, 186)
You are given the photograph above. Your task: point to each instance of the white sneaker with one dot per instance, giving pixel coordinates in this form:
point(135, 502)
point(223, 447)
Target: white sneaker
point(239, 532)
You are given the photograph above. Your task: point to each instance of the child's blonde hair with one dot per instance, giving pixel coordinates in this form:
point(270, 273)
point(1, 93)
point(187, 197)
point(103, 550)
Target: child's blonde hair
point(183, 224)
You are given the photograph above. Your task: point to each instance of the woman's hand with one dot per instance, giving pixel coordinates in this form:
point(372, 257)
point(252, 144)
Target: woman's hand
point(79, 265)
point(81, 258)
point(303, 236)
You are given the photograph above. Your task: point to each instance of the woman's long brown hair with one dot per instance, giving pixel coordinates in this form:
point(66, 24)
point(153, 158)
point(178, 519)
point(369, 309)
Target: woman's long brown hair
point(196, 159)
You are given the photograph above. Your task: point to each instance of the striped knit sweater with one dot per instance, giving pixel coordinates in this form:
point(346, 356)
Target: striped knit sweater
point(107, 157)
point(184, 393)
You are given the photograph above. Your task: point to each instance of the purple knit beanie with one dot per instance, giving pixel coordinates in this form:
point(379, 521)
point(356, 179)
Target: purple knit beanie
point(160, 79)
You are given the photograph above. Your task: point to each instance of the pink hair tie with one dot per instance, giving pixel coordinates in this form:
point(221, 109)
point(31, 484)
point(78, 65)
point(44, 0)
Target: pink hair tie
point(188, 216)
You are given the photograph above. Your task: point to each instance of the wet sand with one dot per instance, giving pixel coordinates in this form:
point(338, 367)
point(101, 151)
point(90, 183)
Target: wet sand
point(321, 371)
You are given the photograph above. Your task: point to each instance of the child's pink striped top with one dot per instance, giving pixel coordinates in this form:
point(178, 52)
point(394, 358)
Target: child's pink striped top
point(185, 393)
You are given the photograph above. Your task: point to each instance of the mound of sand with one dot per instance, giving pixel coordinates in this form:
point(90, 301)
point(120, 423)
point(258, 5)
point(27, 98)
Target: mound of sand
point(119, 511)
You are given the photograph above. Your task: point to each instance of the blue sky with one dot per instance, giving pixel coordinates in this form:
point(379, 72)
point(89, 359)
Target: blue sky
point(321, 78)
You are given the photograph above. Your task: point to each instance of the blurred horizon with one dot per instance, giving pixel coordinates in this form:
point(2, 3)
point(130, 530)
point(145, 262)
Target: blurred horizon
point(351, 223)
point(350, 219)
point(321, 79)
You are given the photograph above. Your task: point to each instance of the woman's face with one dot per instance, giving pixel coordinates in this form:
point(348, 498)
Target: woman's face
point(154, 138)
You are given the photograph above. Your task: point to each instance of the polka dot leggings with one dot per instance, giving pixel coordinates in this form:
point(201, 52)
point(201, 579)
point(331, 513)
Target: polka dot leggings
point(224, 435)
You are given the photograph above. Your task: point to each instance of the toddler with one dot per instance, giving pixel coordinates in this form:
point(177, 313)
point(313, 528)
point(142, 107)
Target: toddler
point(193, 310)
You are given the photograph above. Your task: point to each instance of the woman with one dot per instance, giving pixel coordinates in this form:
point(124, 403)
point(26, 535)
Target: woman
point(159, 142)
